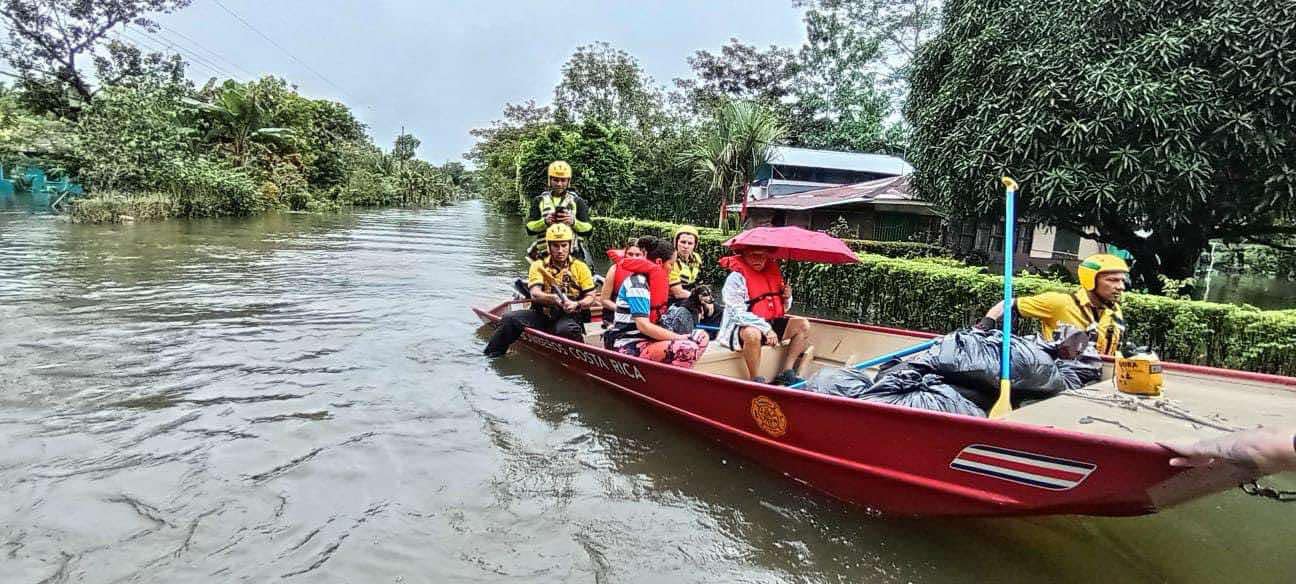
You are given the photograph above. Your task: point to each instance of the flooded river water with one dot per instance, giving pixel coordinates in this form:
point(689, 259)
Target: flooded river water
point(303, 398)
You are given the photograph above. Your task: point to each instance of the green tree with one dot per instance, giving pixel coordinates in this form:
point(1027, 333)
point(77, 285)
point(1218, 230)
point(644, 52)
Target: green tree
point(496, 153)
point(607, 85)
point(1155, 126)
point(600, 158)
point(880, 36)
point(133, 138)
point(728, 151)
point(48, 39)
point(741, 72)
point(27, 137)
point(843, 101)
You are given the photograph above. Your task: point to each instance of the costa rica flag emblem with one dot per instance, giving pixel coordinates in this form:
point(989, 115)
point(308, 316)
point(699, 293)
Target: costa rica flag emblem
point(1027, 468)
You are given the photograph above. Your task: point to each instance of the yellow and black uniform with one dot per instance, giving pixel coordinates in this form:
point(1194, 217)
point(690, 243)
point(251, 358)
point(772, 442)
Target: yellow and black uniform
point(575, 277)
point(685, 272)
point(1078, 310)
point(547, 203)
point(576, 282)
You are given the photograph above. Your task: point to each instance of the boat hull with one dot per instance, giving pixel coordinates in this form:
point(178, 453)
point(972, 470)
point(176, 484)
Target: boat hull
point(890, 459)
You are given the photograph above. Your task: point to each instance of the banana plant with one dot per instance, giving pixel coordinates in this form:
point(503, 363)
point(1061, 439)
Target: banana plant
point(241, 120)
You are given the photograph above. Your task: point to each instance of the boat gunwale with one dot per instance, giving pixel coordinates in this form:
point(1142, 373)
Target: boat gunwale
point(1146, 446)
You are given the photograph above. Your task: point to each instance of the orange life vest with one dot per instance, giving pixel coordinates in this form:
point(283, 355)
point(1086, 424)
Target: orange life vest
point(764, 288)
point(658, 279)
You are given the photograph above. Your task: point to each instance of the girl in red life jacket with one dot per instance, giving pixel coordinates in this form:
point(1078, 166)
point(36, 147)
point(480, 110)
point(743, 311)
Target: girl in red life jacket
point(640, 299)
point(612, 281)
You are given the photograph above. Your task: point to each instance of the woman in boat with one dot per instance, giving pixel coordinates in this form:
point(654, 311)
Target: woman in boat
point(755, 313)
point(688, 268)
point(612, 281)
point(636, 328)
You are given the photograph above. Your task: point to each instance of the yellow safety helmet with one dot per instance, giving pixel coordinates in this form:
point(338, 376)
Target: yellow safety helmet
point(559, 232)
point(689, 229)
point(1097, 264)
point(559, 169)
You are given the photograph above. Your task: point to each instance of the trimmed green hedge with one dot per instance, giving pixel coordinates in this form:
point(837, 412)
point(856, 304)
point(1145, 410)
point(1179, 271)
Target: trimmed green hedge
point(940, 295)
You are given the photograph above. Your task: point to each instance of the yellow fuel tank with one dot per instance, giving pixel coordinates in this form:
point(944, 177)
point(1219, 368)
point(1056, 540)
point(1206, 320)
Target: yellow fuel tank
point(1139, 374)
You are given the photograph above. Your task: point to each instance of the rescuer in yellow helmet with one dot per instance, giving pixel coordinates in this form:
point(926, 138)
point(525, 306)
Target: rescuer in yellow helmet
point(559, 204)
point(561, 289)
point(1095, 307)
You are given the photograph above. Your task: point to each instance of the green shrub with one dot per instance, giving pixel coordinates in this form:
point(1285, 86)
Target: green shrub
point(115, 207)
point(208, 188)
point(939, 295)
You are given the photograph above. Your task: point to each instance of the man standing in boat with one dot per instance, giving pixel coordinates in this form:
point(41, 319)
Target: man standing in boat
point(559, 204)
point(755, 314)
point(1094, 307)
point(562, 292)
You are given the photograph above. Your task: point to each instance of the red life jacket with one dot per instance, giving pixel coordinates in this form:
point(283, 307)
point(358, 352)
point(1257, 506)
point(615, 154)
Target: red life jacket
point(658, 279)
point(764, 288)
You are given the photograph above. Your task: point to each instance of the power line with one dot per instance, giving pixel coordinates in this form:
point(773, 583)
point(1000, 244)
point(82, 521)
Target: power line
point(278, 46)
point(193, 57)
point(158, 46)
point(208, 50)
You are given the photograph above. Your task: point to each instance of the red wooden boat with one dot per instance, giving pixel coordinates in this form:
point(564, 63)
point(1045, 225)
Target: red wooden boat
point(1091, 452)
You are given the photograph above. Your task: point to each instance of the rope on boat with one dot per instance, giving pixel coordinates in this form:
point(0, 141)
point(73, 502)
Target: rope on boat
point(1169, 408)
point(1164, 406)
point(1255, 490)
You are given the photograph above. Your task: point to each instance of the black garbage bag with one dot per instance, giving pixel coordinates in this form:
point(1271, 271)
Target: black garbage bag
point(910, 388)
point(968, 360)
point(843, 381)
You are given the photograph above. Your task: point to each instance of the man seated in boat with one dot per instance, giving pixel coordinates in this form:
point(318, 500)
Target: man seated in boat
point(1094, 307)
point(562, 292)
point(755, 313)
point(641, 298)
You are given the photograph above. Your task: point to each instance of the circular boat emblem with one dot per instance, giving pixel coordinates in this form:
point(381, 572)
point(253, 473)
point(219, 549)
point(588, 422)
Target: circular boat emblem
point(768, 416)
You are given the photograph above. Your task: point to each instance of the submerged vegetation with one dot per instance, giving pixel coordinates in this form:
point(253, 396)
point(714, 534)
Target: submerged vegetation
point(148, 144)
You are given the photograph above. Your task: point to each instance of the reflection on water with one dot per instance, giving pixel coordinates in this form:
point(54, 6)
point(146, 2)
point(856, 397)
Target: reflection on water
point(302, 397)
point(1264, 292)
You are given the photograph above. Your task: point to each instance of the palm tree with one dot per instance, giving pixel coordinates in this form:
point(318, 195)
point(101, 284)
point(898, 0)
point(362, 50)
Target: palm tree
point(727, 154)
point(241, 118)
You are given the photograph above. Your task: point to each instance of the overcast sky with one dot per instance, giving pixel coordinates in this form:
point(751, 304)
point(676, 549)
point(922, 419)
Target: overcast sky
point(441, 67)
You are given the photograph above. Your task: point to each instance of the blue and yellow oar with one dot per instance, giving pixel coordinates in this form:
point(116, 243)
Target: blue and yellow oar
point(1003, 405)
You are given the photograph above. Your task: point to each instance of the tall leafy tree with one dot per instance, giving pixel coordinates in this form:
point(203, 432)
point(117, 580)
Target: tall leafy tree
point(496, 152)
point(882, 36)
point(741, 72)
point(1153, 125)
point(600, 157)
point(49, 39)
point(607, 85)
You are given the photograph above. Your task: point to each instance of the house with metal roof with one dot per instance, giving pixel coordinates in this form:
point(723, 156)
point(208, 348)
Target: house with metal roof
point(871, 193)
point(794, 170)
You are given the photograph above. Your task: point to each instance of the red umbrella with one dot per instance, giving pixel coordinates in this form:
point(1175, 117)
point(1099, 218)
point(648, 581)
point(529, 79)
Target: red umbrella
point(795, 243)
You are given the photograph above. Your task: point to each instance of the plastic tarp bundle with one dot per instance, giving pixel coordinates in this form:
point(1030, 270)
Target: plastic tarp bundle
point(906, 387)
point(960, 374)
point(969, 361)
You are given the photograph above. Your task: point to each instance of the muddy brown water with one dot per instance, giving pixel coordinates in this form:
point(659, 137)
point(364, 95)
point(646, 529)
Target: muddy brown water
point(302, 398)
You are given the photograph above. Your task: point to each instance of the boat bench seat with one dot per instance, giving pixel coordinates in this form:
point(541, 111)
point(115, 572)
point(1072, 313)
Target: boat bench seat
point(722, 360)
